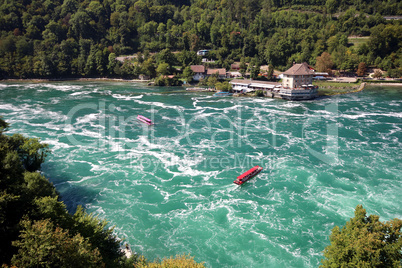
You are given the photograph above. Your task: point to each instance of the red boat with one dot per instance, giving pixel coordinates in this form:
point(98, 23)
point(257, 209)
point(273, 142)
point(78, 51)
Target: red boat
point(248, 175)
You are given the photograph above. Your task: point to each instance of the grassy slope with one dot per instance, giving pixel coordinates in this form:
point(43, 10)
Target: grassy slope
point(356, 41)
point(334, 88)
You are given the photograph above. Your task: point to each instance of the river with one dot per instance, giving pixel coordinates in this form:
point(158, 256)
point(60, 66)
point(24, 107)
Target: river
point(168, 188)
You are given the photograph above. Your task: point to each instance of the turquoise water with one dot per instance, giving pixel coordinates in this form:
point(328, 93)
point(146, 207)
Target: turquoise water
point(168, 187)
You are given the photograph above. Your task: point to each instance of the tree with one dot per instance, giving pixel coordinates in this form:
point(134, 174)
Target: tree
point(49, 207)
point(377, 74)
point(186, 58)
point(254, 71)
point(395, 73)
point(361, 69)
point(81, 25)
point(270, 73)
point(254, 68)
point(32, 153)
point(126, 69)
point(111, 63)
point(272, 31)
point(212, 80)
point(166, 56)
point(324, 63)
point(38, 186)
point(385, 39)
point(54, 238)
point(90, 66)
point(365, 242)
point(97, 233)
point(163, 68)
point(69, 6)
point(101, 60)
point(179, 261)
point(243, 66)
point(223, 86)
point(188, 74)
point(3, 125)
point(148, 67)
point(41, 244)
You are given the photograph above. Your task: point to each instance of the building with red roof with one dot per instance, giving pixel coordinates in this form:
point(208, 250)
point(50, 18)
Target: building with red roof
point(199, 72)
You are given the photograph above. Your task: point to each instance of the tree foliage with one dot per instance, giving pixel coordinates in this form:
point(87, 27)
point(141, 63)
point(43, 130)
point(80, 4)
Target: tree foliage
point(3, 125)
point(365, 242)
point(361, 69)
point(188, 74)
point(35, 228)
point(76, 38)
point(223, 86)
point(324, 63)
point(31, 152)
point(41, 244)
point(377, 74)
point(180, 261)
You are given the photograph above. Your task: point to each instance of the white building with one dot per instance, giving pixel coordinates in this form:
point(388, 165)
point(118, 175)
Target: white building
point(199, 72)
point(298, 76)
point(296, 85)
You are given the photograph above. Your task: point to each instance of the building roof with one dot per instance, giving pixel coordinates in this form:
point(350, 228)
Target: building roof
point(235, 66)
point(299, 69)
point(221, 71)
point(259, 85)
point(169, 76)
point(241, 82)
point(198, 68)
point(254, 83)
point(235, 73)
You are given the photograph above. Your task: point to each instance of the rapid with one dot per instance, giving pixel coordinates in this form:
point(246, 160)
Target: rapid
point(168, 188)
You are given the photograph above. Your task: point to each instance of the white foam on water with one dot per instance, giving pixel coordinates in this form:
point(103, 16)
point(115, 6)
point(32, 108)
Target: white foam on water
point(371, 115)
point(80, 93)
point(62, 87)
point(159, 104)
point(29, 113)
point(291, 104)
point(126, 97)
point(55, 100)
point(9, 107)
point(88, 118)
point(261, 100)
point(287, 211)
point(21, 87)
point(56, 144)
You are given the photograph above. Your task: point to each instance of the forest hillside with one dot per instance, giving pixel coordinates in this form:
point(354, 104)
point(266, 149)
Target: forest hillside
point(82, 38)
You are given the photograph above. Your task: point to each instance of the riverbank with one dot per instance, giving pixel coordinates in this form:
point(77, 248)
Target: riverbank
point(332, 88)
point(42, 80)
point(325, 88)
point(335, 88)
point(385, 84)
point(360, 88)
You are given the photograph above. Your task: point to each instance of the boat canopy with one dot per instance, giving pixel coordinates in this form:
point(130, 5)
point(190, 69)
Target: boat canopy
point(144, 119)
point(251, 171)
